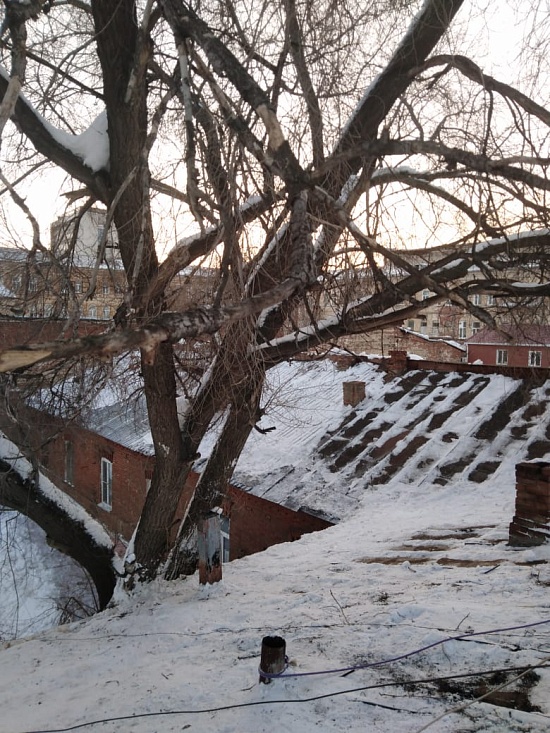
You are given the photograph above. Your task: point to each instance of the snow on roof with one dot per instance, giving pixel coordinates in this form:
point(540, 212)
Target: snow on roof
point(323, 455)
point(510, 334)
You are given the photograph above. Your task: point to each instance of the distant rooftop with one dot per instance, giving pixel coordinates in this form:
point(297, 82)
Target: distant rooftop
point(507, 334)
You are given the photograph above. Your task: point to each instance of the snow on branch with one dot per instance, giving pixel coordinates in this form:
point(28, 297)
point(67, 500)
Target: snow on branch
point(82, 156)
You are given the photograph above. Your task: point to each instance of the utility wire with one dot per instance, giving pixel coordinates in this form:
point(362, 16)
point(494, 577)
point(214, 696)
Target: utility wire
point(406, 655)
point(256, 703)
point(465, 706)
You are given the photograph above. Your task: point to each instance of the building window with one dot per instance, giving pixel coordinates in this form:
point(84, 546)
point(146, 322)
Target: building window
point(490, 300)
point(78, 286)
point(462, 330)
point(410, 324)
point(435, 327)
point(33, 285)
point(425, 294)
point(476, 299)
point(423, 325)
point(535, 358)
point(502, 357)
point(69, 462)
point(106, 288)
point(476, 326)
point(224, 531)
point(106, 484)
point(16, 283)
point(100, 231)
point(92, 311)
point(106, 312)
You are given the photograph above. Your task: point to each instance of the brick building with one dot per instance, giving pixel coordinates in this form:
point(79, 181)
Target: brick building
point(110, 481)
point(513, 346)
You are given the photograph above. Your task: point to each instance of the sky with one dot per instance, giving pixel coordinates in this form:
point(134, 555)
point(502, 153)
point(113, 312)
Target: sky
point(494, 35)
point(411, 567)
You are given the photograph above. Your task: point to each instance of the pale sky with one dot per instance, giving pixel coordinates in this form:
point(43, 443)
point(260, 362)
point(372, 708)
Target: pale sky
point(501, 28)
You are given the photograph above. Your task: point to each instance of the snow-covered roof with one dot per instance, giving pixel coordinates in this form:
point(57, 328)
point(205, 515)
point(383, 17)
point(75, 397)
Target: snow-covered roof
point(324, 456)
point(510, 334)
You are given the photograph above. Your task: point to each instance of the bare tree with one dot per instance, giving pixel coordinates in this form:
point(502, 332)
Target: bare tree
point(293, 139)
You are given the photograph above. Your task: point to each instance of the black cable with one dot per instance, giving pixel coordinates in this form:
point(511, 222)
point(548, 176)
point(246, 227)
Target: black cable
point(256, 703)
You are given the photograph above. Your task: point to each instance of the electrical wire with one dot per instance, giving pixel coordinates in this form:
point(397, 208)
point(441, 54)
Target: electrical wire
point(257, 703)
point(406, 655)
point(466, 705)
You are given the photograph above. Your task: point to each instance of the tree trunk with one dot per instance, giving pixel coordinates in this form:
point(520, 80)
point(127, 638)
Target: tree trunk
point(211, 488)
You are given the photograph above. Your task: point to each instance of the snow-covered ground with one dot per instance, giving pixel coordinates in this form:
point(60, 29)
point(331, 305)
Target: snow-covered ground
point(38, 584)
point(415, 563)
point(410, 569)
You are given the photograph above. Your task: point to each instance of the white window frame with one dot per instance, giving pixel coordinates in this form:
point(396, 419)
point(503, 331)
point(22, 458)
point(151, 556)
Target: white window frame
point(476, 327)
point(92, 312)
point(535, 358)
point(425, 294)
point(106, 312)
point(462, 329)
point(225, 524)
point(106, 484)
point(476, 299)
point(502, 357)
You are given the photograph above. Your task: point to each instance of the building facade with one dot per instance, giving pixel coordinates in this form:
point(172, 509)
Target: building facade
point(511, 346)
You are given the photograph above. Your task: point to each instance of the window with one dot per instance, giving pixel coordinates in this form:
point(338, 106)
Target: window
point(69, 462)
point(106, 312)
point(16, 282)
point(476, 299)
point(106, 484)
point(92, 311)
point(476, 326)
point(106, 288)
point(535, 358)
point(502, 357)
point(490, 300)
point(33, 285)
point(100, 231)
point(78, 286)
point(435, 326)
point(425, 294)
point(462, 330)
point(410, 324)
point(423, 324)
point(224, 531)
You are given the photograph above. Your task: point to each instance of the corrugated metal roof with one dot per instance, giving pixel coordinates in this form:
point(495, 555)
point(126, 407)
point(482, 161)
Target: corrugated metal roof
point(125, 423)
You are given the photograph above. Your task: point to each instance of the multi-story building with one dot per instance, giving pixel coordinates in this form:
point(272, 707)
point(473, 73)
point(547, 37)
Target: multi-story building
point(80, 274)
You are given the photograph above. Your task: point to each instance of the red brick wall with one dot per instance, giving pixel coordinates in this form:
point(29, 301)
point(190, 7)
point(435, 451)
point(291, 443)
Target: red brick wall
point(130, 473)
point(19, 331)
point(256, 523)
point(518, 356)
point(531, 523)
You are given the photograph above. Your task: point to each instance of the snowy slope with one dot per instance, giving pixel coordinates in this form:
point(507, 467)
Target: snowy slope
point(414, 561)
